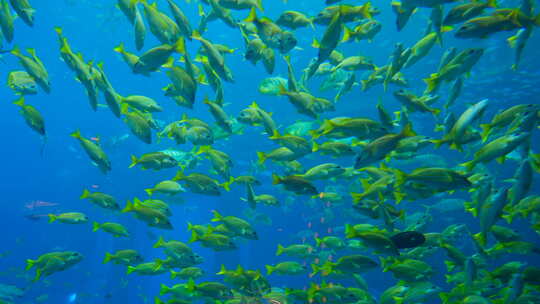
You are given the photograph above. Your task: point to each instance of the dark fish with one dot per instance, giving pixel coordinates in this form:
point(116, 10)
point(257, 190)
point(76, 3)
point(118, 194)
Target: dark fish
point(35, 217)
point(408, 239)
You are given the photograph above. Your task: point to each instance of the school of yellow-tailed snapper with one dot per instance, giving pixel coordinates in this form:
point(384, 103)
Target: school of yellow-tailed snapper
point(388, 242)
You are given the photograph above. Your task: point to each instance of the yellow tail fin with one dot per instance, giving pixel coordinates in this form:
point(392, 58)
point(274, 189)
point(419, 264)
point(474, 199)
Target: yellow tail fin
point(134, 161)
point(365, 12)
point(85, 194)
point(252, 17)
point(108, 258)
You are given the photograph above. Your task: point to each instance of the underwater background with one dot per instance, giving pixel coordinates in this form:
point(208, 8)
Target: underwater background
point(63, 171)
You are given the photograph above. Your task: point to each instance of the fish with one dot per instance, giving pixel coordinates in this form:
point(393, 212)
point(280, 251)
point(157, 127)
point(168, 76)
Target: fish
point(518, 42)
point(271, 33)
point(294, 20)
point(180, 18)
point(69, 218)
point(36, 217)
point(313, 175)
point(408, 239)
point(501, 20)
point(364, 31)
point(124, 257)
point(497, 149)
point(455, 66)
point(94, 151)
point(52, 262)
point(24, 10)
point(33, 119)
point(115, 229)
point(463, 12)
point(296, 184)
point(6, 21)
point(22, 83)
point(286, 268)
point(160, 24)
point(38, 204)
point(34, 67)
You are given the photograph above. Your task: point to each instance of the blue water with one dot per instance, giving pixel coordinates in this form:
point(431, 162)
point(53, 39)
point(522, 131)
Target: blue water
point(94, 28)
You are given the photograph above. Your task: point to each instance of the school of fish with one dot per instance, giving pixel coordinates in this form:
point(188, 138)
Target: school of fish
point(367, 205)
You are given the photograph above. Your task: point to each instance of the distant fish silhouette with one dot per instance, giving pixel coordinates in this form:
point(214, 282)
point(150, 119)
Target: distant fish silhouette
point(408, 239)
point(36, 217)
point(38, 204)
